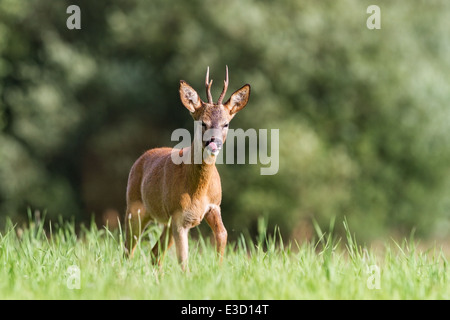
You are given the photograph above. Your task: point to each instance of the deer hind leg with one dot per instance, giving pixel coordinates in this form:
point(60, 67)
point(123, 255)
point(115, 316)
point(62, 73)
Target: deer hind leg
point(214, 220)
point(162, 245)
point(136, 219)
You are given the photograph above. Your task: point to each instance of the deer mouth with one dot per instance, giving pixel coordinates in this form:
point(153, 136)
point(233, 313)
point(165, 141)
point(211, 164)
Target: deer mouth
point(213, 148)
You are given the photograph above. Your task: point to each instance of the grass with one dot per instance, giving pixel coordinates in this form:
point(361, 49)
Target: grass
point(38, 264)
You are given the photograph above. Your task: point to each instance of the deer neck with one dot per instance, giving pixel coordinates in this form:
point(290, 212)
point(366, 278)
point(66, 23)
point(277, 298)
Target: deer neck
point(200, 174)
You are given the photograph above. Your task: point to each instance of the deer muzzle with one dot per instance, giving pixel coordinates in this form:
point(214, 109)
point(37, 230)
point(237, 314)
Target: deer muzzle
point(213, 146)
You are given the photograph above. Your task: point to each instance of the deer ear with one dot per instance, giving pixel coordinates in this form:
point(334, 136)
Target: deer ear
point(238, 100)
point(189, 97)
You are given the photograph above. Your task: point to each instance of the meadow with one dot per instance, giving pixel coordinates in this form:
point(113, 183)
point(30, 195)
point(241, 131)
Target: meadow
point(60, 262)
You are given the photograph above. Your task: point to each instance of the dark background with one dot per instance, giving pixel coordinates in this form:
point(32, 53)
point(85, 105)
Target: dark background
point(363, 114)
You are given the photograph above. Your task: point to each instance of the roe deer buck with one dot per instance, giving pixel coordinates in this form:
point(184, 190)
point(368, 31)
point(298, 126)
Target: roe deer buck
point(181, 195)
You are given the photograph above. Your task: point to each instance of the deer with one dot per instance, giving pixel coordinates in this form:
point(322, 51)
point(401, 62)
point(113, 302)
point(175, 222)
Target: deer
point(180, 196)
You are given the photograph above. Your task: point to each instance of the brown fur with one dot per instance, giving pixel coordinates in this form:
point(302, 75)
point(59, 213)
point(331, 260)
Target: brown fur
point(180, 196)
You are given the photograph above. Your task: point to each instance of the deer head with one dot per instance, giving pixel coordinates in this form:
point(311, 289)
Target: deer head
point(215, 117)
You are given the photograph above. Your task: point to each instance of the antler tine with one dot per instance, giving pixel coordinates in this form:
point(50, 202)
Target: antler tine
point(225, 87)
point(208, 85)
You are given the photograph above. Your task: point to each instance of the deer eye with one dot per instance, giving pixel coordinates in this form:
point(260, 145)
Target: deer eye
point(225, 125)
point(203, 124)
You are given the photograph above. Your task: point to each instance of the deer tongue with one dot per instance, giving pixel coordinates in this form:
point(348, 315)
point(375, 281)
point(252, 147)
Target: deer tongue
point(213, 149)
point(212, 146)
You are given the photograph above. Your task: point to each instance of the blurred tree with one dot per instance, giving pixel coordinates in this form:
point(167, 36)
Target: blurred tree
point(362, 113)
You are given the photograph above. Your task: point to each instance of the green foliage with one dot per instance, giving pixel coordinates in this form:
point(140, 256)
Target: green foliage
point(362, 114)
point(37, 264)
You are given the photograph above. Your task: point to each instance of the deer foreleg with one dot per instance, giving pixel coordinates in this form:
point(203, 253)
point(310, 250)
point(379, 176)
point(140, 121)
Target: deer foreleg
point(180, 235)
point(214, 220)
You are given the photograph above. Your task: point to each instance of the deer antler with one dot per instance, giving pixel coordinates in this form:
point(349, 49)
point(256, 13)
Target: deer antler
point(208, 85)
point(225, 87)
